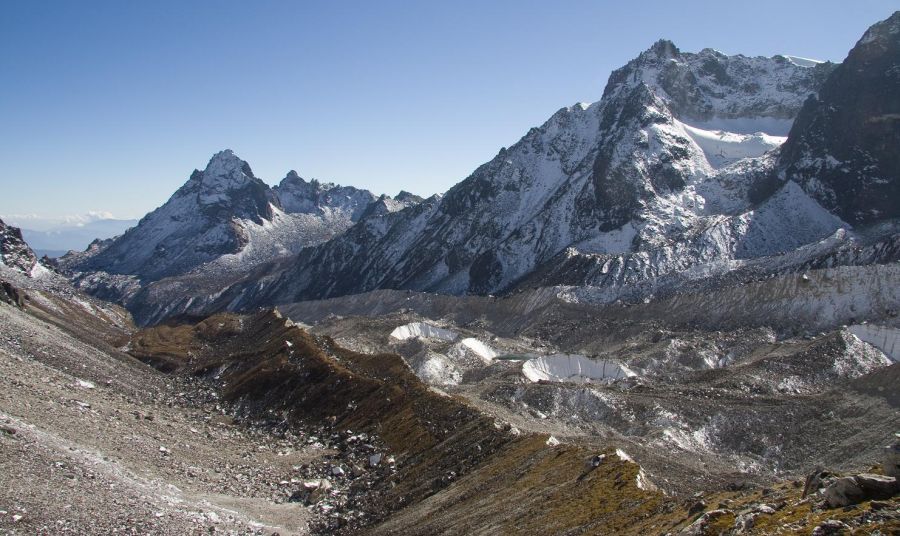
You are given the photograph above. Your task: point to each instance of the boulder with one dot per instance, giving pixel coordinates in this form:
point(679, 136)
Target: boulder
point(856, 489)
point(744, 522)
point(878, 486)
point(832, 526)
point(11, 295)
point(698, 527)
point(891, 463)
point(311, 492)
point(817, 480)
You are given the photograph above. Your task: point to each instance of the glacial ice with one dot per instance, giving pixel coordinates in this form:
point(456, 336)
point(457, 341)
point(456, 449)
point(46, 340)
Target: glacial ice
point(422, 330)
point(574, 368)
point(884, 338)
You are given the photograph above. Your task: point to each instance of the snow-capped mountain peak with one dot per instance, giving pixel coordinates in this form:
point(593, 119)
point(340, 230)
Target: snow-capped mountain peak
point(676, 146)
point(226, 163)
point(221, 223)
point(216, 212)
point(224, 173)
point(715, 91)
point(664, 50)
point(670, 172)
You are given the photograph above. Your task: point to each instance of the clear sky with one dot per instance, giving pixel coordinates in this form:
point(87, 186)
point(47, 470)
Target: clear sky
point(108, 106)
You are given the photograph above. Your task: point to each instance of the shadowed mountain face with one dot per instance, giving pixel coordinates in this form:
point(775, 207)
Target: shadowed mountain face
point(843, 147)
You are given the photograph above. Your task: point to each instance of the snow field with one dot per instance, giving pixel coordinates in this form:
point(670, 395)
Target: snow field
point(722, 147)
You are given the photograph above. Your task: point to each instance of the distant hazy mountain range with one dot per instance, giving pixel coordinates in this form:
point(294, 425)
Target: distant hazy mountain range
point(56, 236)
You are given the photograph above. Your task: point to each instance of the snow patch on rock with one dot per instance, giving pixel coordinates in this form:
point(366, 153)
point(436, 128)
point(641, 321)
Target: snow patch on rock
point(803, 62)
point(859, 358)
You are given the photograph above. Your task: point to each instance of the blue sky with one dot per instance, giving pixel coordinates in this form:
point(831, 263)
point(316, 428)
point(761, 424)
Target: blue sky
point(108, 106)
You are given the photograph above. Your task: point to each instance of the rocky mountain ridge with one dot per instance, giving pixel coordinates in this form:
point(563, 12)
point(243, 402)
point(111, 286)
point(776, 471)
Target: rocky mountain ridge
point(634, 173)
point(675, 175)
point(217, 212)
point(14, 252)
point(222, 223)
point(670, 172)
point(654, 314)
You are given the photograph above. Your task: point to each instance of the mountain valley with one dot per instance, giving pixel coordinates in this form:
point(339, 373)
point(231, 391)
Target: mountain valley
point(671, 311)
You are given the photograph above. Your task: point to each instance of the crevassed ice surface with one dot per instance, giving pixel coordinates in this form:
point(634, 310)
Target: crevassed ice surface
point(573, 368)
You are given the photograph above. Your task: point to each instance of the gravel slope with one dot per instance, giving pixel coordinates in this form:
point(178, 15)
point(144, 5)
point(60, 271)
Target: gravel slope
point(96, 443)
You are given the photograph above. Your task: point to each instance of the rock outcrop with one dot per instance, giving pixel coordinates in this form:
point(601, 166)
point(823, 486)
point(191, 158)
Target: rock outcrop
point(14, 252)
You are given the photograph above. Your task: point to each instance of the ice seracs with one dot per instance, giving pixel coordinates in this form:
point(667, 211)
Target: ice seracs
point(422, 330)
point(885, 338)
point(574, 368)
point(437, 369)
point(441, 356)
point(473, 346)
